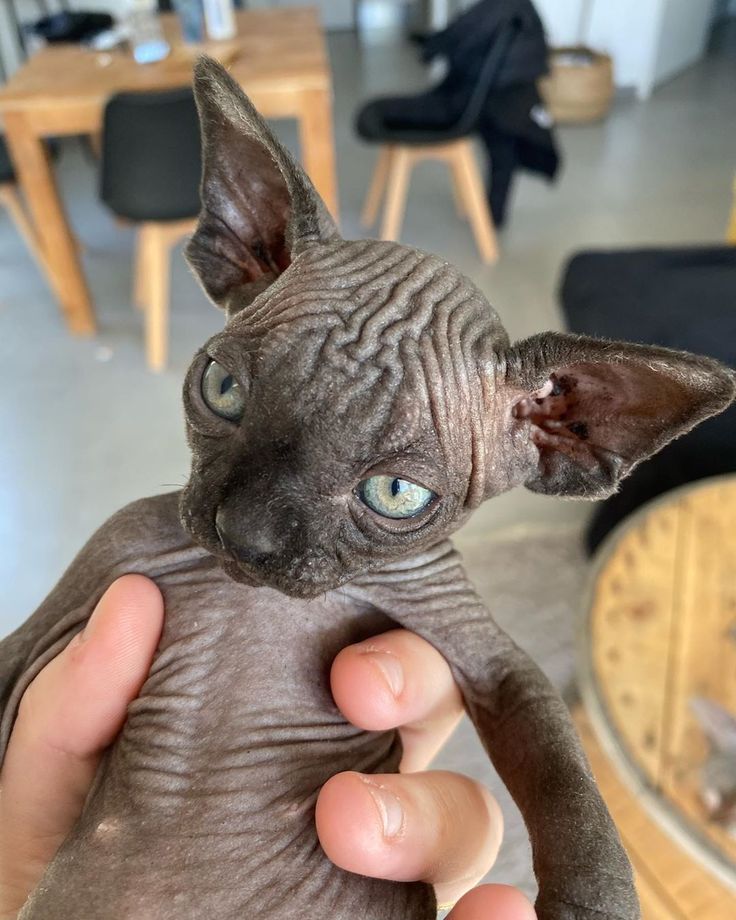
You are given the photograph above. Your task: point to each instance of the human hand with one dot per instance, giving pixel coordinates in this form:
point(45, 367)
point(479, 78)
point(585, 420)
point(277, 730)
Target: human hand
point(68, 715)
point(451, 827)
point(438, 827)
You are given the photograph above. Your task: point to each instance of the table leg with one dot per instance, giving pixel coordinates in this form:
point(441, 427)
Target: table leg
point(36, 178)
point(318, 144)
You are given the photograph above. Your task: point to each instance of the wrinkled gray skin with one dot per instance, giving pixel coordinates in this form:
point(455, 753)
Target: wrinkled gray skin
point(356, 358)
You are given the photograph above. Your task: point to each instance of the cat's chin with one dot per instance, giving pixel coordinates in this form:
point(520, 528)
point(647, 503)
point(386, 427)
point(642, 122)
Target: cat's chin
point(303, 589)
point(237, 574)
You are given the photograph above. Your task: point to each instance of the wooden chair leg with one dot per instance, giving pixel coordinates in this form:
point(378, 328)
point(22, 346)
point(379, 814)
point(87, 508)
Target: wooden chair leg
point(153, 257)
point(457, 196)
point(398, 184)
point(156, 245)
point(10, 198)
point(377, 187)
point(467, 176)
point(141, 271)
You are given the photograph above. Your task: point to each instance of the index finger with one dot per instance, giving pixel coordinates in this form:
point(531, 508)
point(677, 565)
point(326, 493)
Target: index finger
point(398, 680)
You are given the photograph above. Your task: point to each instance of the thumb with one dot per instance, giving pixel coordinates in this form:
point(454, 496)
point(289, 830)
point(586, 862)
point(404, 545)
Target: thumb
point(68, 715)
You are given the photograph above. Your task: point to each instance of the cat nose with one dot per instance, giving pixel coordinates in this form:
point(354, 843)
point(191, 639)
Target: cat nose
point(244, 539)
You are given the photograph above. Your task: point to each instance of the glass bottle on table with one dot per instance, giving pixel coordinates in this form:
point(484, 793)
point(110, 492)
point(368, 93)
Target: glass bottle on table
point(144, 32)
point(219, 17)
point(191, 17)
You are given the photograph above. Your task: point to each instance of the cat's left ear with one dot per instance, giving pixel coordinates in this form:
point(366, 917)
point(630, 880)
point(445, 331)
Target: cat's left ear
point(574, 415)
point(258, 206)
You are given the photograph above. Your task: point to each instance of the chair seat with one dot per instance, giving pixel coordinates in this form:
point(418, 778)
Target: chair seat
point(373, 124)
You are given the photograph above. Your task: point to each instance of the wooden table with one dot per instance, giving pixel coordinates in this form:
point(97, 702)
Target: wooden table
point(659, 630)
point(670, 883)
point(281, 63)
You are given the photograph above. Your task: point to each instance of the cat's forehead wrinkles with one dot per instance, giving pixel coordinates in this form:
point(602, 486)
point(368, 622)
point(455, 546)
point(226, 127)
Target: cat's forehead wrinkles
point(364, 299)
point(390, 293)
point(351, 277)
point(378, 332)
point(330, 280)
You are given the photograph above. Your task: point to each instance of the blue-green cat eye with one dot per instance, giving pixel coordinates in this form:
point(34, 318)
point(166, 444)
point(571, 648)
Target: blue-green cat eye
point(393, 497)
point(222, 392)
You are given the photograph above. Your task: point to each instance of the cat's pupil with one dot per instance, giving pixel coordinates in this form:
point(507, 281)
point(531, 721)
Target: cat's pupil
point(227, 382)
point(396, 487)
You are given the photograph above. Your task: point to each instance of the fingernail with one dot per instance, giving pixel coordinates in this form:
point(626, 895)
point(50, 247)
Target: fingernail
point(389, 808)
point(390, 666)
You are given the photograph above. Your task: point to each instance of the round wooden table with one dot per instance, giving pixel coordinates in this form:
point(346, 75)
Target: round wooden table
point(658, 630)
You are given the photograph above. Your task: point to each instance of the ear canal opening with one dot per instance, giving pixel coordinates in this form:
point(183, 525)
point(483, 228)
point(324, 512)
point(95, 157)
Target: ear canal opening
point(556, 425)
point(567, 437)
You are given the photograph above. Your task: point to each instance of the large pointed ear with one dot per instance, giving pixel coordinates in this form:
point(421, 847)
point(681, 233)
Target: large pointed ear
point(580, 413)
point(258, 206)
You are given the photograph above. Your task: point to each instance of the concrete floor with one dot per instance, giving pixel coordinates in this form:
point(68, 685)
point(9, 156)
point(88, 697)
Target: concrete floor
point(86, 428)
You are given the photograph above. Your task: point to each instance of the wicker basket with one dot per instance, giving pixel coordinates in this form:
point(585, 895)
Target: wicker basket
point(579, 87)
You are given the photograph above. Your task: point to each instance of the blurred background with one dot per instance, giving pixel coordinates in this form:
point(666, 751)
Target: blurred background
point(575, 158)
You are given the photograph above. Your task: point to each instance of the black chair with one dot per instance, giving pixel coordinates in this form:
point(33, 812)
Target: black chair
point(448, 139)
point(151, 167)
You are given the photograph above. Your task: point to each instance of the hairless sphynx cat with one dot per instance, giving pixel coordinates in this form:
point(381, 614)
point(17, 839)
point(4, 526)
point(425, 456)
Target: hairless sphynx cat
point(362, 400)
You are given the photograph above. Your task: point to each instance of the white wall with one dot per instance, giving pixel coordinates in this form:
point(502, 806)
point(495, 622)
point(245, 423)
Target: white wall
point(562, 19)
point(649, 40)
point(683, 36)
point(628, 30)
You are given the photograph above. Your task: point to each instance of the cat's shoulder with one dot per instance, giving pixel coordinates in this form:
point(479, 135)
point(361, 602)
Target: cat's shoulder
point(155, 510)
point(140, 530)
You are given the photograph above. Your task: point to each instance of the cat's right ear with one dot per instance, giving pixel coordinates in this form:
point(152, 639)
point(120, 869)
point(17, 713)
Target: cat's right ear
point(258, 206)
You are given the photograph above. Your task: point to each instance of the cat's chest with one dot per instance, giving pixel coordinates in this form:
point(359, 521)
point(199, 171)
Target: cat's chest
point(239, 691)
